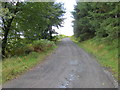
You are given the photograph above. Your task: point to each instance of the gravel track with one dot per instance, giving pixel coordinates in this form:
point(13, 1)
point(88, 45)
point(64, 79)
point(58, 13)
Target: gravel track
point(68, 67)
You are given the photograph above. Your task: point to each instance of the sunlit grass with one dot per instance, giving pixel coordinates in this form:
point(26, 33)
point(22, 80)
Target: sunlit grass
point(12, 67)
point(106, 54)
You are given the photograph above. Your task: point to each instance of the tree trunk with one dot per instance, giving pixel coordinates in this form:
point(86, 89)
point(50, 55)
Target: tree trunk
point(6, 30)
point(50, 32)
point(4, 41)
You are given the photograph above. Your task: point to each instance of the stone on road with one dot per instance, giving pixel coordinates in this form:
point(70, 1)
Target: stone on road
point(68, 67)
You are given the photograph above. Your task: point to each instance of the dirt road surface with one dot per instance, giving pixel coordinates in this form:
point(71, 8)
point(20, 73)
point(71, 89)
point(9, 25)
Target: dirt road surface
point(68, 67)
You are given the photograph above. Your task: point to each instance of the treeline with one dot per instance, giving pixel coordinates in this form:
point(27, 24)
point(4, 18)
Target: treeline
point(99, 20)
point(25, 22)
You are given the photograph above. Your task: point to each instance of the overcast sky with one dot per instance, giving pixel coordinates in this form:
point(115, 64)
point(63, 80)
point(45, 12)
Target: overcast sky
point(67, 29)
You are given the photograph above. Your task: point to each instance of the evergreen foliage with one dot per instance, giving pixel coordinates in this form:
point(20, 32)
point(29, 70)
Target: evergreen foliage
point(93, 19)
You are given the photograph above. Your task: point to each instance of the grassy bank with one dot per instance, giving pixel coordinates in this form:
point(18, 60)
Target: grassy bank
point(107, 55)
point(13, 67)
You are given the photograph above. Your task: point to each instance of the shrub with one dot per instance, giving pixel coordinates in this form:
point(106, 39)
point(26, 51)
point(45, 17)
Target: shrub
point(21, 48)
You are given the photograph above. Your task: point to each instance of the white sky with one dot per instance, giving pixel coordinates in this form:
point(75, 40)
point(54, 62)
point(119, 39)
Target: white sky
point(67, 28)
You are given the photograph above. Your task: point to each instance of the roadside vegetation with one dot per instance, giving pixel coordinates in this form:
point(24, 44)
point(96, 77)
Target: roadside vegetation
point(14, 66)
point(63, 36)
point(96, 29)
point(27, 34)
point(107, 55)
point(58, 38)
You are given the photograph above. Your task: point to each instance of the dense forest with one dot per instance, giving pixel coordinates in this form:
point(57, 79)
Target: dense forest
point(96, 26)
point(98, 20)
point(25, 23)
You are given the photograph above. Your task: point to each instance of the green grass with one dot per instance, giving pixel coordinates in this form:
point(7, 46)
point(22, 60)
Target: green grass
point(107, 55)
point(13, 67)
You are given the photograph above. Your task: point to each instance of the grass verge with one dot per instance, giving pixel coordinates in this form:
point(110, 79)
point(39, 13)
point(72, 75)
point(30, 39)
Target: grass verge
point(107, 55)
point(15, 66)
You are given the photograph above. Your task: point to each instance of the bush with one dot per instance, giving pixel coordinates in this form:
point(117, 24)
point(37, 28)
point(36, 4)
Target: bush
point(21, 48)
point(42, 45)
point(62, 36)
point(56, 38)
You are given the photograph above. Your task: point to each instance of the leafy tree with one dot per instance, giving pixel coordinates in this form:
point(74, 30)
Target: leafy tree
point(10, 10)
point(37, 19)
point(29, 20)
